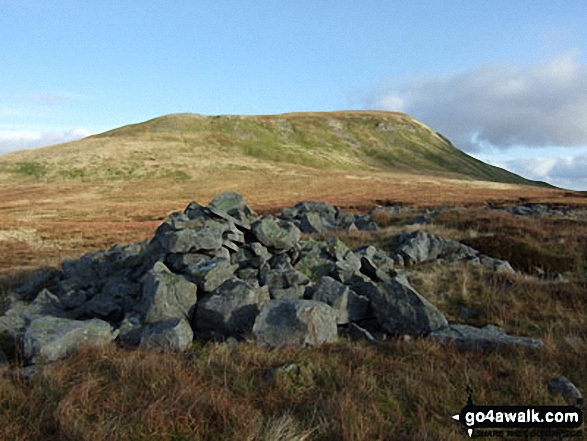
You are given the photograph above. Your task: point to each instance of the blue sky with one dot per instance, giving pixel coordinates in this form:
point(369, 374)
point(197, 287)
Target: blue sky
point(505, 80)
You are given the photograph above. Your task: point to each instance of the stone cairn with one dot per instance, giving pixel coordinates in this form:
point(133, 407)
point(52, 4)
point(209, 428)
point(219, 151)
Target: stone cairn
point(221, 273)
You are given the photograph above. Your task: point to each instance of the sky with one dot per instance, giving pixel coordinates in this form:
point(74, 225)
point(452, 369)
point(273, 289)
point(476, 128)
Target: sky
point(505, 81)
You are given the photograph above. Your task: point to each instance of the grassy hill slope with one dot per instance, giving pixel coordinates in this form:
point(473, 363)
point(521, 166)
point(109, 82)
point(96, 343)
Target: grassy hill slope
point(181, 146)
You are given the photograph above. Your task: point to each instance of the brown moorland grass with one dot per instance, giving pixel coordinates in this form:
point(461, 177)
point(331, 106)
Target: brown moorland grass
point(40, 224)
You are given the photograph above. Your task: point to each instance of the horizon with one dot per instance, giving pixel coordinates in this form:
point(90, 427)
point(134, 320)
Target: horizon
point(506, 83)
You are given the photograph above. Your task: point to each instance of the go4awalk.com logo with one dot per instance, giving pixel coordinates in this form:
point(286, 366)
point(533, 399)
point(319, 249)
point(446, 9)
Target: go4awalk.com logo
point(559, 421)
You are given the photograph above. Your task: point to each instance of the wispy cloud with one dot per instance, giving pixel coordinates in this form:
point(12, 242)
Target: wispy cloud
point(28, 139)
point(499, 105)
point(48, 99)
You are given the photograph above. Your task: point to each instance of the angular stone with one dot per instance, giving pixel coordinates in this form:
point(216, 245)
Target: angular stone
point(316, 217)
point(197, 211)
point(295, 322)
point(401, 310)
point(364, 286)
point(276, 234)
point(45, 278)
point(178, 262)
point(117, 297)
point(186, 241)
point(497, 265)
point(453, 251)
point(364, 223)
point(277, 278)
point(348, 305)
point(314, 266)
point(281, 262)
point(167, 295)
point(173, 334)
point(14, 319)
point(230, 310)
point(74, 298)
point(47, 339)
point(312, 222)
point(369, 268)
point(211, 274)
point(223, 253)
point(234, 205)
point(292, 293)
point(489, 337)
point(565, 387)
point(130, 330)
point(252, 255)
point(415, 247)
point(247, 273)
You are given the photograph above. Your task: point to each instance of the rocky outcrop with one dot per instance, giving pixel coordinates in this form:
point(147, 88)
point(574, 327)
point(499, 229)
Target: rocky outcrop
point(221, 272)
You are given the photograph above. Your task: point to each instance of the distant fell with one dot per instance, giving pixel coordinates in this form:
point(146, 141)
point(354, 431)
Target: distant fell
point(180, 146)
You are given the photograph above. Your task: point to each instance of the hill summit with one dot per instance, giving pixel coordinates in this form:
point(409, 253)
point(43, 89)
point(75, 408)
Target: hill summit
point(180, 146)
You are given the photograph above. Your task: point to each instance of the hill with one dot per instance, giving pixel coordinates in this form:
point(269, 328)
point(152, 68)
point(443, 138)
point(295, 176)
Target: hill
point(182, 146)
point(115, 187)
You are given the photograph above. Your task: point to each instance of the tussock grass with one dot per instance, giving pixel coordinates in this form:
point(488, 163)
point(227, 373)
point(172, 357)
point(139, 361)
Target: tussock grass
point(399, 390)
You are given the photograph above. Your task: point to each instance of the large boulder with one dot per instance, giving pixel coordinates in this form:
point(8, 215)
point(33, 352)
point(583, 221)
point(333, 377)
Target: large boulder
point(212, 273)
point(47, 339)
point(174, 334)
point(349, 306)
point(401, 310)
point(467, 337)
point(276, 234)
point(230, 310)
point(233, 207)
point(167, 295)
point(420, 246)
point(295, 322)
point(198, 235)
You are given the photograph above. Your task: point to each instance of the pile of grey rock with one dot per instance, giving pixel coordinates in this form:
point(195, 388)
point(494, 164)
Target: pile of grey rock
point(322, 217)
point(221, 272)
point(535, 210)
point(419, 247)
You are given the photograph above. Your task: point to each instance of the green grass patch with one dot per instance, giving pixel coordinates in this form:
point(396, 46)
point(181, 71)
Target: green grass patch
point(31, 169)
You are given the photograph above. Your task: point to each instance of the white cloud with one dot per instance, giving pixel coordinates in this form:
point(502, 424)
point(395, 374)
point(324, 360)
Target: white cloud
point(563, 171)
point(500, 105)
point(28, 139)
